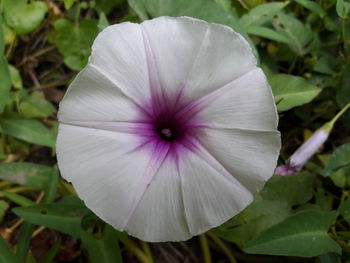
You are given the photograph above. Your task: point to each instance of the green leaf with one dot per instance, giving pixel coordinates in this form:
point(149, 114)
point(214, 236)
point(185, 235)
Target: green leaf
point(3, 208)
point(340, 158)
point(102, 22)
point(312, 6)
point(23, 17)
point(303, 234)
point(106, 6)
point(24, 238)
point(291, 91)
point(268, 33)
point(52, 187)
point(68, 3)
point(6, 254)
point(301, 39)
point(330, 258)
point(18, 199)
point(103, 249)
point(295, 189)
point(61, 217)
point(74, 40)
point(28, 130)
point(202, 9)
point(345, 210)
point(51, 253)
point(261, 14)
point(15, 77)
point(36, 106)
point(30, 258)
point(343, 8)
point(5, 78)
point(28, 174)
point(256, 218)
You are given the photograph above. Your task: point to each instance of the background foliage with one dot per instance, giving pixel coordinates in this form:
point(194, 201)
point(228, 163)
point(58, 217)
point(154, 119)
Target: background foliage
point(303, 47)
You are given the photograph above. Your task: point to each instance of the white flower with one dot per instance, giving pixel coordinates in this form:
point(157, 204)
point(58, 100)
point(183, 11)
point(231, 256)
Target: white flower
point(170, 129)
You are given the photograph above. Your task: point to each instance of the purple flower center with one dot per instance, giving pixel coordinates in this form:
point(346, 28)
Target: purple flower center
point(169, 122)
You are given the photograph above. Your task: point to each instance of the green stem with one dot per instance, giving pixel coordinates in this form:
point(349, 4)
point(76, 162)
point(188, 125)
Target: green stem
point(147, 251)
point(205, 248)
point(329, 125)
point(224, 248)
point(130, 245)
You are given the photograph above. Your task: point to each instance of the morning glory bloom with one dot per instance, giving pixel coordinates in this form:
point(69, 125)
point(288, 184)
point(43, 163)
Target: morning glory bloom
point(170, 129)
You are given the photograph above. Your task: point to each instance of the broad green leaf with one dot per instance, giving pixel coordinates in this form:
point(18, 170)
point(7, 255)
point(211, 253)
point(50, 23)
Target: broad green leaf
point(5, 78)
point(339, 158)
point(23, 17)
point(16, 198)
point(343, 8)
point(3, 208)
point(301, 39)
point(268, 33)
point(104, 249)
point(6, 254)
point(74, 40)
point(312, 6)
point(295, 189)
point(61, 217)
point(28, 174)
point(261, 14)
point(303, 234)
point(291, 91)
point(28, 130)
point(345, 210)
point(256, 218)
point(106, 6)
point(36, 106)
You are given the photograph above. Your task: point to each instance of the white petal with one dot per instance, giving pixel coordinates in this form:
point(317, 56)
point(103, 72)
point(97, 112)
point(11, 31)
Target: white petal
point(105, 171)
point(211, 195)
point(92, 97)
point(250, 156)
point(195, 55)
point(160, 215)
point(246, 103)
point(119, 53)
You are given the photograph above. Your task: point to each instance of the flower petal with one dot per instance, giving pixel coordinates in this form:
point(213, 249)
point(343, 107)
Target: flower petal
point(211, 196)
point(194, 55)
point(119, 53)
point(101, 166)
point(250, 156)
point(160, 215)
point(245, 103)
point(92, 97)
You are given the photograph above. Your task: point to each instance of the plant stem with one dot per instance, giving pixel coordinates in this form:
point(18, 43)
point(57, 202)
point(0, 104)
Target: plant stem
point(329, 125)
point(147, 250)
point(205, 248)
point(224, 248)
point(135, 250)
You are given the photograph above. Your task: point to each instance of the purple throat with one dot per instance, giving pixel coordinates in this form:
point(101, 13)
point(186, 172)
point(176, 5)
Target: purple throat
point(169, 125)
